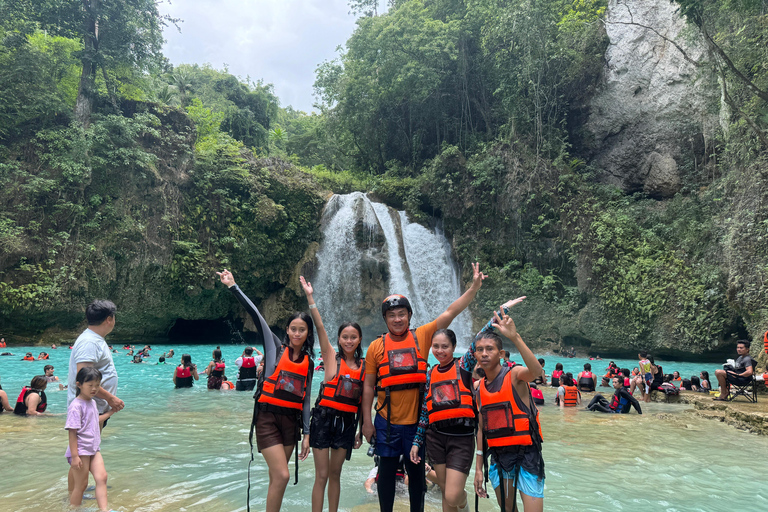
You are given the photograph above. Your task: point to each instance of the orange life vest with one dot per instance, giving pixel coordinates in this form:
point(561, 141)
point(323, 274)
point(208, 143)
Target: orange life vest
point(765, 341)
point(571, 396)
point(286, 387)
point(28, 358)
point(2, 344)
point(403, 367)
point(448, 398)
point(345, 391)
point(504, 423)
point(43, 357)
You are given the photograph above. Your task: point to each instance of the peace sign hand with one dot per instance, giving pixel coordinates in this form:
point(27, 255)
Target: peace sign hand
point(477, 276)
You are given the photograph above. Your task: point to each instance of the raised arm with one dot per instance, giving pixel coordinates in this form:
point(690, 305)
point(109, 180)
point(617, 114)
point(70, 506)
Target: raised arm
point(468, 360)
point(460, 304)
point(326, 349)
point(506, 326)
point(271, 342)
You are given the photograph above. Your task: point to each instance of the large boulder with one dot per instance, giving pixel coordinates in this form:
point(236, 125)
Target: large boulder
point(655, 109)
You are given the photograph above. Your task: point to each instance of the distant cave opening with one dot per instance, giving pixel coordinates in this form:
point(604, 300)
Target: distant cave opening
point(202, 331)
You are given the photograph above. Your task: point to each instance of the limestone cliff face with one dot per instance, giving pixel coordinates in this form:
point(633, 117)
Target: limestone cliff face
point(655, 110)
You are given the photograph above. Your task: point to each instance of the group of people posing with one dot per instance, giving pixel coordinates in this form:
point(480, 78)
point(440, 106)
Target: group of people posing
point(420, 413)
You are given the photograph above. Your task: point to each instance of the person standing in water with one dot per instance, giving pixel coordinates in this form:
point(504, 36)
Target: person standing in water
point(91, 349)
point(185, 373)
point(396, 371)
point(509, 422)
point(215, 370)
point(336, 412)
point(283, 396)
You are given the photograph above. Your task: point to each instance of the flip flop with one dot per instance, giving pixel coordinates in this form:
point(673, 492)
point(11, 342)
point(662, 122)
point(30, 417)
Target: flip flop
point(719, 400)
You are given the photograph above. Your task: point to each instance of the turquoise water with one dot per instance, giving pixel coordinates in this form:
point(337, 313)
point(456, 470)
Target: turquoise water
point(187, 450)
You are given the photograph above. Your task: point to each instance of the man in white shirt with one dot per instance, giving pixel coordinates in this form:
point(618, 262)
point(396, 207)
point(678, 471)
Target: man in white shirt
point(91, 349)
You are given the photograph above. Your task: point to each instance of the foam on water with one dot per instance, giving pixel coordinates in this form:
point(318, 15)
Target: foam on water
point(187, 450)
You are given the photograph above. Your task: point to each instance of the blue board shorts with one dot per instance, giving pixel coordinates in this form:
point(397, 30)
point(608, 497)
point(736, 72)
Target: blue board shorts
point(527, 483)
point(400, 439)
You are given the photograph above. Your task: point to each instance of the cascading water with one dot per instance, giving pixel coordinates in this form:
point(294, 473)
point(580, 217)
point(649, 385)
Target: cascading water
point(369, 251)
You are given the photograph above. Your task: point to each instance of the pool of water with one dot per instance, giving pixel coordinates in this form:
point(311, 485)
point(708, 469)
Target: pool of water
point(187, 450)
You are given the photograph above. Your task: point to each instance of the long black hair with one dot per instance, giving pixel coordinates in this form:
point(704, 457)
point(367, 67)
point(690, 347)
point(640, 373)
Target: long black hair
point(359, 350)
point(309, 343)
point(216, 355)
point(186, 360)
point(448, 334)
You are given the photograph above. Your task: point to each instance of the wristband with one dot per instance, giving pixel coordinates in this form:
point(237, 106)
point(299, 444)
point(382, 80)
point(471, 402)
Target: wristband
point(313, 306)
point(479, 452)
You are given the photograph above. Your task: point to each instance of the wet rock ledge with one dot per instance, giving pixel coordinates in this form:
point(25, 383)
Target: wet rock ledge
point(739, 413)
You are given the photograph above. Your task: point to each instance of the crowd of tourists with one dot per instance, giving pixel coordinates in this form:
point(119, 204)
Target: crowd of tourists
point(473, 409)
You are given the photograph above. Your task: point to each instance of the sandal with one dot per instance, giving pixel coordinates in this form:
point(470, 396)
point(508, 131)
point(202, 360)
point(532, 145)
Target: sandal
point(720, 399)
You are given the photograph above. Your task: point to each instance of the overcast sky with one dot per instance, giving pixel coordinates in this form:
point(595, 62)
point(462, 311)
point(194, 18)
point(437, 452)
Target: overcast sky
point(278, 41)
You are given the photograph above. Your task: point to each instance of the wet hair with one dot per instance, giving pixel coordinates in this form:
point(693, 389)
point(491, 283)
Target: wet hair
point(248, 351)
point(359, 350)
point(309, 343)
point(746, 343)
point(541, 361)
point(217, 355)
point(86, 374)
point(625, 372)
point(620, 379)
point(39, 382)
point(588, 367)
point(186, 360)
point(161, 360)
point(566, 380)
point(488, 335)
point(651, 359)
point(448, 334)
point(47, 367)
point(695, 381)
point(98, 311)
point(559, 366)
point(705, 375)
point(479, 371)
point(668, 377)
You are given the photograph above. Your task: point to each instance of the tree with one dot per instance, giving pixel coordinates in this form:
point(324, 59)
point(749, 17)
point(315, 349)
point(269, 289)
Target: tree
point(120, 38)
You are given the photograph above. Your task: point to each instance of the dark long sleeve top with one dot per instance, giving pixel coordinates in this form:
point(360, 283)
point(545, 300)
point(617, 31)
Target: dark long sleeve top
point(272, 346)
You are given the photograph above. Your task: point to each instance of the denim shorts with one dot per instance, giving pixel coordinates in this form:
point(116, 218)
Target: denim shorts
point(400, 439)
point(527, 483)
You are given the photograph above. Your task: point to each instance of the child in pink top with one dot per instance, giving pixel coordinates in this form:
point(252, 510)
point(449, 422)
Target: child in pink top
point(84, 425)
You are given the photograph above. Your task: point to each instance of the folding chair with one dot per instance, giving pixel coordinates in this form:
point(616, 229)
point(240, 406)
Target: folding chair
point(748, 390)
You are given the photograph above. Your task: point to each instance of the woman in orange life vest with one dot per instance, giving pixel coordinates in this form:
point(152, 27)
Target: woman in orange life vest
point(283, 398)
point(337, 410)
point(43, 356)
point(515, 448)
point(568, 394)
point(185, 372)
point(215, 371)
point(447, 423)
point(32, 400)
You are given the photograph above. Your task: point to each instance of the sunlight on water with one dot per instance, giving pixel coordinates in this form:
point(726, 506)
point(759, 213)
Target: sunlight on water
point(187, 450)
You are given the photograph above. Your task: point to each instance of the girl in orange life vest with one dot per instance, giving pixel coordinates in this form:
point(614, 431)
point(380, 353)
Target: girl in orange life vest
point(398, 391)
point(447, 423)
point(185, 372)
point(32, 400)
point(283, 397)
point(515, 449)
point(336, 412)
point(43, 356)
point(568, 394)
point(215, 371)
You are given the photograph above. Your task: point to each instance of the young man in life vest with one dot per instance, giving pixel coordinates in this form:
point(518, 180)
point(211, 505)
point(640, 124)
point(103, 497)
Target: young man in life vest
point(509, 422)
point(396, 369)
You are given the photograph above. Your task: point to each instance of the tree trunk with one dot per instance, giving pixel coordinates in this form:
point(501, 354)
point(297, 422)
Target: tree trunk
point(87, 90)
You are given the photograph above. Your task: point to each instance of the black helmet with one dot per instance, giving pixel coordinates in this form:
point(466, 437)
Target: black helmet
point(395, 301)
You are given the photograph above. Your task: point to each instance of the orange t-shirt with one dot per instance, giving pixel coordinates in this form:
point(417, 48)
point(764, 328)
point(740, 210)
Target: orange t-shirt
point(404, 403)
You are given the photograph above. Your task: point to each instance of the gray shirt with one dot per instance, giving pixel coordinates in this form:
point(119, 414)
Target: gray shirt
point(742, 363)
point(92, 348)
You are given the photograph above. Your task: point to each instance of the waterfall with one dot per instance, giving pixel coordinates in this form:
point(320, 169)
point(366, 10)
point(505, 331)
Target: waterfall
point(369, 251)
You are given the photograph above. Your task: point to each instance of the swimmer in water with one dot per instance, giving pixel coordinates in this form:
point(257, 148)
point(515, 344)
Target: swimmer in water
point(32, 400)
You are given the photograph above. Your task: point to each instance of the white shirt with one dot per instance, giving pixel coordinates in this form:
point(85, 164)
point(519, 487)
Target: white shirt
point(92, 348)
point(257, 359)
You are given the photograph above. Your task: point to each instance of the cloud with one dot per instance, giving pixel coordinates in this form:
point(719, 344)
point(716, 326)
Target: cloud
point(278, 41)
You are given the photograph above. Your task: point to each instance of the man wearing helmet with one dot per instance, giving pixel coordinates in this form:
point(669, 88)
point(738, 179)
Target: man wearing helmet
point(395, 370)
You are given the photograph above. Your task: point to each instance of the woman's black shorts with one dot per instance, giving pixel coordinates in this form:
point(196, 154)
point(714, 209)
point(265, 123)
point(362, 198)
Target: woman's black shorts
point(330, 428)
point(456, 452)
